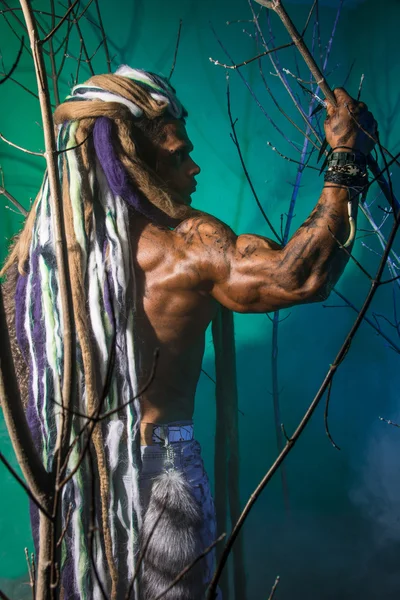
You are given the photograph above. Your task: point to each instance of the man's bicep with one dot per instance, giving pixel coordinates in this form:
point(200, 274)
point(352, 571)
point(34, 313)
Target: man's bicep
point(244, 273)
point(257, 280)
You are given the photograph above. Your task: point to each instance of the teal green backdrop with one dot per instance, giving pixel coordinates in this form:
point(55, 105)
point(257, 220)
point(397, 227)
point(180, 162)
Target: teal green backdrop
point(341, 536)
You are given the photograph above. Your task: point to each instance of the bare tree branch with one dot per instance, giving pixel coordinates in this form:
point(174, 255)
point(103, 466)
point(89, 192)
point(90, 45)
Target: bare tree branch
point(81, 38)
point(274, 588)
point(57, 27)
point(15, 63)
point(250, 60)
point(3, 192)
point(350, 255)
point(20, 147)
point(236, 142)
point(103, 36)
point(389, 422)
point(326, 413)
point(277, 6)
point(307, 416)
point(178, 38)
point(24, 486)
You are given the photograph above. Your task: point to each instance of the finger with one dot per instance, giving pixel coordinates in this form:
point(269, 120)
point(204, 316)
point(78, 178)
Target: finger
point(367, 120)
point(342, 96)
point(358, 108)
point(330, 109)
point(362, 106)
point(342, 99)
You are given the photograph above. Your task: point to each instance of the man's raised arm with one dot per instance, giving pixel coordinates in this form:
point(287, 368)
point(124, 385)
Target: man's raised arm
point(252, 274)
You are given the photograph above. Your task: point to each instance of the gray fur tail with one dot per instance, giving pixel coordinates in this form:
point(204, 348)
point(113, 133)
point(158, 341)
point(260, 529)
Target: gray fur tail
point(175, 541)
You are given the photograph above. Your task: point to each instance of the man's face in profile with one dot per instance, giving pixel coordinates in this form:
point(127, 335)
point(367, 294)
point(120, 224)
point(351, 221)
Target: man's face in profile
point(174, 164)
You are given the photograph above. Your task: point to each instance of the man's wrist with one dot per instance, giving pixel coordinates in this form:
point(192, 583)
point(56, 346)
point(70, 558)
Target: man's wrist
point(347, 169)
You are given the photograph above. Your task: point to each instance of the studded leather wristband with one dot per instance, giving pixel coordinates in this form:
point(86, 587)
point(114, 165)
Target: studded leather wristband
point(348, 169)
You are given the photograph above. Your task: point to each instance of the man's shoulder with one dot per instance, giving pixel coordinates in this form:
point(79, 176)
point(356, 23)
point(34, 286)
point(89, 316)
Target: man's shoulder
point(204, 227)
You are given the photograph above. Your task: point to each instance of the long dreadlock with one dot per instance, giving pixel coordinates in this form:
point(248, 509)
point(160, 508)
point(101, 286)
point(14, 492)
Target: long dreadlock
point(104, 178)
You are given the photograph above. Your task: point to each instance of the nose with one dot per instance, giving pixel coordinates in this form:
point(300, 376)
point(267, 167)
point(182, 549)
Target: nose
point(194, 168)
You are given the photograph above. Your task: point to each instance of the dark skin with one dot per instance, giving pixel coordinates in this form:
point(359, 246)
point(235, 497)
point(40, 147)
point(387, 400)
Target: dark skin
point(183, 274)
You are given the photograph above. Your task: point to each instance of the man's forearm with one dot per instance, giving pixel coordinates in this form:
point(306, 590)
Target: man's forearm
point(313, 256)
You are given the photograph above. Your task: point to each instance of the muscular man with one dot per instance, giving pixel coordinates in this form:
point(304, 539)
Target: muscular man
point(147, 272)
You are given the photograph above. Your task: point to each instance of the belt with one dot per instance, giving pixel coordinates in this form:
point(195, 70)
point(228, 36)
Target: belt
point(165, 434)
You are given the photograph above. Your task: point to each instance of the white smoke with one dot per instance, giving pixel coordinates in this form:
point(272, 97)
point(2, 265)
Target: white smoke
point(377, 492)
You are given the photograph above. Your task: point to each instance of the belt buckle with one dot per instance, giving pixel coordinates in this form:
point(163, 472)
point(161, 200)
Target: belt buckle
point(160, 434)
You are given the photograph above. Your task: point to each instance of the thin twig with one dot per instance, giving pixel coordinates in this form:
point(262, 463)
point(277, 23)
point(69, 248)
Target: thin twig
point(15, 63)
point(3, 192)
point(391, 280)
point(178, 38)
point(54, 76)
point(275, 62)
point(315, 5)
point(106, 389)
point(274, 587)
point(284, 113)
point(20, 147)
point(24, 486)
point(297, 162)
point(95, 418)
point(28, 563)
point(35, 11)
point(67, 521)
point(109, 413)
point(389, 422)
point(21, 23)
point(235, 139)
point(75, 147)
point(307, 416)
point(79, 61)
point(260, 106)
point(104, 37)
point(57, 27)
point(328, 398)
point(81, 39)
point(65, 43)
point(209, 376)
point(22, 86)
point(33, 569)
point(360, 86)
point(250, 60)
point(350, 255)
point(366, 319)
point(79, 17)
point(370, 136)
point(317, 74)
